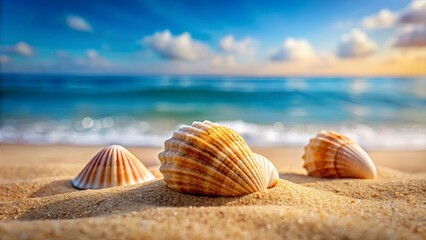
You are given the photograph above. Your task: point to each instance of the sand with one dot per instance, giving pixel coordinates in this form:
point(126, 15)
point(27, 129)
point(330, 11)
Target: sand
point(37, 201)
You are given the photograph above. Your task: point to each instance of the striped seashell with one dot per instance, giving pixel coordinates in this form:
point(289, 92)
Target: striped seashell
point(332, 155)
point(113, 166)
point(209, 159)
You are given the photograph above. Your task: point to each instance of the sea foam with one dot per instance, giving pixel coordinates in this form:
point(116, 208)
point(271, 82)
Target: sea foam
point(131, 132)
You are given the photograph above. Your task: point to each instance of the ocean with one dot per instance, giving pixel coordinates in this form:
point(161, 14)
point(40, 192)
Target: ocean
point(380, 113)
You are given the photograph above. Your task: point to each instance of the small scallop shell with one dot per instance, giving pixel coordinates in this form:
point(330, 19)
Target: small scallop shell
point(209, 159)
point(332, 155)
point(113, 166)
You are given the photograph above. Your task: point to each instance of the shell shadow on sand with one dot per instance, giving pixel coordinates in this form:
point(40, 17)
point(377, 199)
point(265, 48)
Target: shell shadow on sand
point(300, 178)
point(59, 200)
point(53, 188)
point(35, 189)
point(365, 189)
point(91, 203)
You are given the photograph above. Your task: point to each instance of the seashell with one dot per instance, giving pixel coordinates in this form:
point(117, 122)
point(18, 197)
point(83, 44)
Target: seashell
point(209, 159)
point(332, 155)
point(113, 166)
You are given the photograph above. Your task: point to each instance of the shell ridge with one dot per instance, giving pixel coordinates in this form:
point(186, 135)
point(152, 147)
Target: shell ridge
point(110, 167)
point(213, 186)
point(208, 159)
point(237, 159)
point(271, 173)
point(116, 167)
point(336, 168)
point(362, 158)
point(248, 156)
point(263, 168)
point(331, 154)
point(103, 181)
point(82, 178)
point(212, 154)
point(227, 178)
point(95, 166)
point(123, 163)
point(108, 151)
point(196, 181)
point(138, 173)
point(252, 169)
point(104, 159)
point(226, 172)
point(135, 175)
point(203, 126)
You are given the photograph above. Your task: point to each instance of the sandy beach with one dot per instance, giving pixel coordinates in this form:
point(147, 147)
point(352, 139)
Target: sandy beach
point(37, 201)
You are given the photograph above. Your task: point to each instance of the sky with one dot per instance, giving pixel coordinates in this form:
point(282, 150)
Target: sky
point(308, 38)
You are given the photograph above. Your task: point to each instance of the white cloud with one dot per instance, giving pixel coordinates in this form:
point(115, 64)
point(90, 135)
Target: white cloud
point(92, 60)
point(179, 47)
point(24, 49)
point(95, 60)
point(92, 54)
point(21, 48)
point(411, 36)
point(415, 13)
point(294, 50)
point(78, 23)
point(355, 44)
point(383, 19)
point(4, 59)
point(244, 47)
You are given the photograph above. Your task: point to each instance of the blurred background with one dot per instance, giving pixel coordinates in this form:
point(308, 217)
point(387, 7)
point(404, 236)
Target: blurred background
point(101, 72)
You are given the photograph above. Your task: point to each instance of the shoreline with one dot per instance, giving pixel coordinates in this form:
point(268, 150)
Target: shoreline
point(284, 158)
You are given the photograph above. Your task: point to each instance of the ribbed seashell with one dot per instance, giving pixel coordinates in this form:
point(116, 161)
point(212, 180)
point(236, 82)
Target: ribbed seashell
point(208, 159)
point(113, 166)
point(332, 155)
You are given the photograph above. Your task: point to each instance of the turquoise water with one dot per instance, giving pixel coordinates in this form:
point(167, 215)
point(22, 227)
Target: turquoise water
point(144, 110)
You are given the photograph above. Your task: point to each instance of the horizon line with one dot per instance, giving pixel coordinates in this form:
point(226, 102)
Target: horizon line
point(221, 75)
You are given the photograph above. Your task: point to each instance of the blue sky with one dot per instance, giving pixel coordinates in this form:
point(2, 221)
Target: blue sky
point(223, 37)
